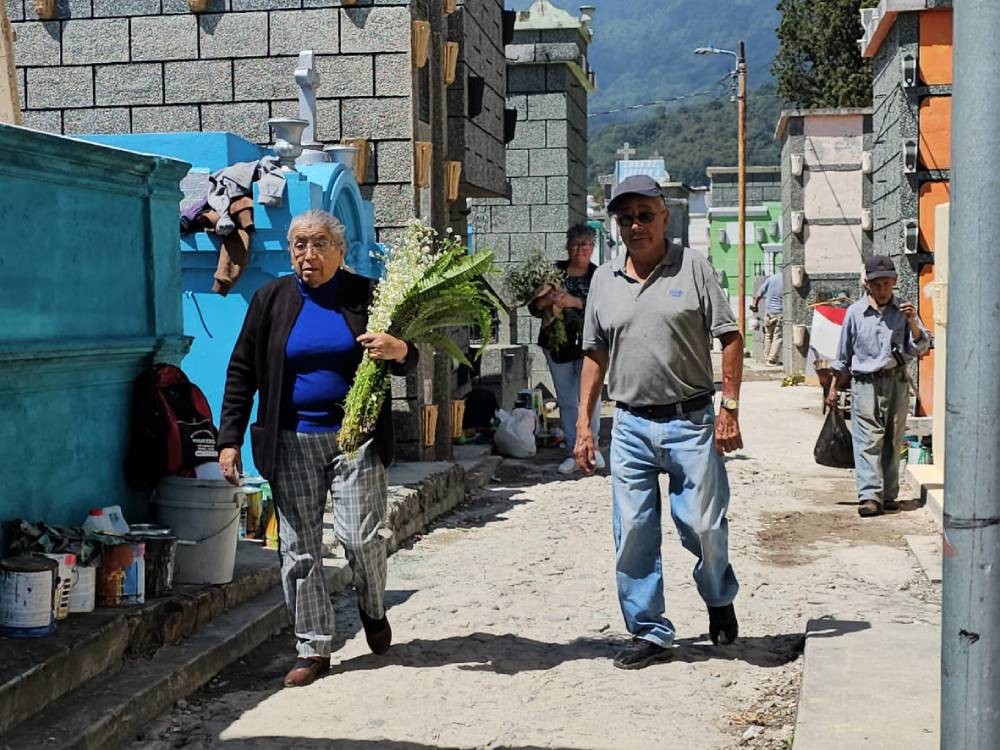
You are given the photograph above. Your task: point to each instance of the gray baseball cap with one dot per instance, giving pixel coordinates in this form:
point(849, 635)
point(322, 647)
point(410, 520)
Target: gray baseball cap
point(879, 267)
point(640, 184)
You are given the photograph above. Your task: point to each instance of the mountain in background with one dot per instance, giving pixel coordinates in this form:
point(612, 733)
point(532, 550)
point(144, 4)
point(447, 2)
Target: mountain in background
point(642, 49)
point(693, 137)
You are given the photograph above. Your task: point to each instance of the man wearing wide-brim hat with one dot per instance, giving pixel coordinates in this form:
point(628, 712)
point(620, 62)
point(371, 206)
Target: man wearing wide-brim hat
point(649, 321)
point(881, 335)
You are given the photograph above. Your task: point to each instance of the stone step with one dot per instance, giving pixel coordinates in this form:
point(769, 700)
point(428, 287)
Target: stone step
point(928, 551)
point(35, 672)
point(106, 711)
point(869, 686)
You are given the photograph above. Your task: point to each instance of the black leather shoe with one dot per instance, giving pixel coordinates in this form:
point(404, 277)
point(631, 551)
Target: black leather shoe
point(378, 633)
point(641, 653)
point(869, 509)
point(306, 671)
point(723, 628)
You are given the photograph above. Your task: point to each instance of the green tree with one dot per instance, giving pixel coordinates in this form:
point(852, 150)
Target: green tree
point(818, 62)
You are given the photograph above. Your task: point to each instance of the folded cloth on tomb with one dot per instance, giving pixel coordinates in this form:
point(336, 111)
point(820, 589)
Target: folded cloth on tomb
point(236, 181)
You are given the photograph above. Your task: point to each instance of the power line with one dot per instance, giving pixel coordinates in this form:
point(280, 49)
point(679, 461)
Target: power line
point(682, 97)
point(657, 103)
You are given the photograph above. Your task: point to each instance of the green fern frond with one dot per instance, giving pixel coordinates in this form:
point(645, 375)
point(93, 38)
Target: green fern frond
point(443, 343)
point(469, 267)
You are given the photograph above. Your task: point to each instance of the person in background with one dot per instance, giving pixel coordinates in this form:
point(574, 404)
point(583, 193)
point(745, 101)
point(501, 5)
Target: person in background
point(772, 291)
point(649, 320)
point(566, 361)
point(881, 335)
point(300, 347)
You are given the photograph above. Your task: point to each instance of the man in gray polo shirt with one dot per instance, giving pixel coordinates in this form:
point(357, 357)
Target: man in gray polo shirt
point(649, 321)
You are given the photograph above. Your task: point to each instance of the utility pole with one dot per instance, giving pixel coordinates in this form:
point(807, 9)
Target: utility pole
point(10, 108)
point(970, 623)
point(741, 74)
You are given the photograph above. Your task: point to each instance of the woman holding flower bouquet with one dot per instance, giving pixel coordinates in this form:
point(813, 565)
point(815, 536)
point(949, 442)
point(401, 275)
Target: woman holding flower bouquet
point(563, 352)
point(302, 343)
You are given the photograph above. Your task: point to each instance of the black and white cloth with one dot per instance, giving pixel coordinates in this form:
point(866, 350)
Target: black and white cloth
point(308, 466)
point(236, 181)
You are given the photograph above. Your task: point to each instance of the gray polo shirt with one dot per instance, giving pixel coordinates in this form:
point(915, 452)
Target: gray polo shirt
point(658, 333)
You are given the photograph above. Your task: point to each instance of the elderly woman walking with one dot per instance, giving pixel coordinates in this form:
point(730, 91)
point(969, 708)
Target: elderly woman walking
point(301, 344)
point(565, 360)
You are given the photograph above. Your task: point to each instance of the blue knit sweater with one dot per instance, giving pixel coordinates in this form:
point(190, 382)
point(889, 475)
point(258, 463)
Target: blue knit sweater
point(321, 358)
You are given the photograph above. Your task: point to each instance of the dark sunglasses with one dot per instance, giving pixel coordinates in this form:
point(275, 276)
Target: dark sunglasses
point(643, 217)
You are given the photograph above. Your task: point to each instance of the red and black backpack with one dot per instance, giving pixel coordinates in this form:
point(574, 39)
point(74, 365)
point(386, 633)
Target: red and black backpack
point(172, 429)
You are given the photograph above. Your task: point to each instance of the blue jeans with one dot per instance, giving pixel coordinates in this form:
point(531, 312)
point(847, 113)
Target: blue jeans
point(878, 421)
point(684, 449)
point(566, 379)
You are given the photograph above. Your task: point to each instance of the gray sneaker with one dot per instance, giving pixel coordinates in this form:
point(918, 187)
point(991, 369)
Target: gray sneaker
point(641, 653)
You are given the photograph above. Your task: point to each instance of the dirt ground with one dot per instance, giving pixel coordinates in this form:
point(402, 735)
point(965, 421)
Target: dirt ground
point(506, 620)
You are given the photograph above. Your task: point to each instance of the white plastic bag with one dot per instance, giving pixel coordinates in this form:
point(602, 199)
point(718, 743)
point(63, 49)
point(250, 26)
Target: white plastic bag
point(515, 437)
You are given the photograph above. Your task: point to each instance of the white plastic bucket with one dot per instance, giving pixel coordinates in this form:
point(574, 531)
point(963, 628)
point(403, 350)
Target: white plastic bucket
point(204, 514)
point(82, 593)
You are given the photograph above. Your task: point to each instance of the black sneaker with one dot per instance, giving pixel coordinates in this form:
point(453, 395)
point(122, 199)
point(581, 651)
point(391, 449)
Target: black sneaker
point(723, 627)
point(641, 653)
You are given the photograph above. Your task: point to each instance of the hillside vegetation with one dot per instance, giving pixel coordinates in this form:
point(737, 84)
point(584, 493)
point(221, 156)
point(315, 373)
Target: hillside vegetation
point(694, 137)
point(642, 49)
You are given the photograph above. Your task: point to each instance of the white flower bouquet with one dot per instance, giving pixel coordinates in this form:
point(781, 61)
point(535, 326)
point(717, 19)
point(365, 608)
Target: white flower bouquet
point(430, 284)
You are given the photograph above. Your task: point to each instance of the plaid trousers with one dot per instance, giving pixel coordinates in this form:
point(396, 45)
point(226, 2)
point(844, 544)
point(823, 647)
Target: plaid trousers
point(308, 466)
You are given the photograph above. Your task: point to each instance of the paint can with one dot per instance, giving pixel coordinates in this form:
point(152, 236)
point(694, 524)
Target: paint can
point(251, 511)
point(160, 556)
point(27, 596)
point(66, 562)
point(82, 593)
point(121, 579)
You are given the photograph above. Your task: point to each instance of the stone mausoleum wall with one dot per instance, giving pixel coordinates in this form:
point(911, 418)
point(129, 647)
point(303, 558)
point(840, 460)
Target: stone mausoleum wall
point(121, 66)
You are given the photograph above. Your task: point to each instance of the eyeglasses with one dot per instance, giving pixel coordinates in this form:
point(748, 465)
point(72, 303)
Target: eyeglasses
point(643, 217)
point(320, 246)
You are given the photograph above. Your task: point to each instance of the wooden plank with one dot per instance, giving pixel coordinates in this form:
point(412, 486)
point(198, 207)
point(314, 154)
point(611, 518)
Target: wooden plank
point(10, 108)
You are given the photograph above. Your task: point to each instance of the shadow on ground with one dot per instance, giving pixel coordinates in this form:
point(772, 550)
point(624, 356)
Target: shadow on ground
point(301, 743)
point(766, 650)
point(511, 654)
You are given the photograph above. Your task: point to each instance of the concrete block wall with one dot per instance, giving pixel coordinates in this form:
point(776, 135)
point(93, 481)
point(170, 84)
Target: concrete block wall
point(763, 186)
point(895, 195)
point(152, 66)
point(478, 141)
point(832, 191)
point(546, 164)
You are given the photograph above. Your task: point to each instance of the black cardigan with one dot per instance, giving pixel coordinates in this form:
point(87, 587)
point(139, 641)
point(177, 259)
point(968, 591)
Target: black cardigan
point(258, 364)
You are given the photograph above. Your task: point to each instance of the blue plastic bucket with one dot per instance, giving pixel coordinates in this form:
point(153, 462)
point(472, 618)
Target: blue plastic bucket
point(27, 596)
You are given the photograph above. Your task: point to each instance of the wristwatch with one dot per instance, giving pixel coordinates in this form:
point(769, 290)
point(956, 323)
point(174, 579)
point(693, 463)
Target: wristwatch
point(729, 403)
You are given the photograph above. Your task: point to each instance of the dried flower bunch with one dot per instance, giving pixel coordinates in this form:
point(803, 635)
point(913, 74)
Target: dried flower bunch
point(529, 281)
point(430, 284)
point(532, 279)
